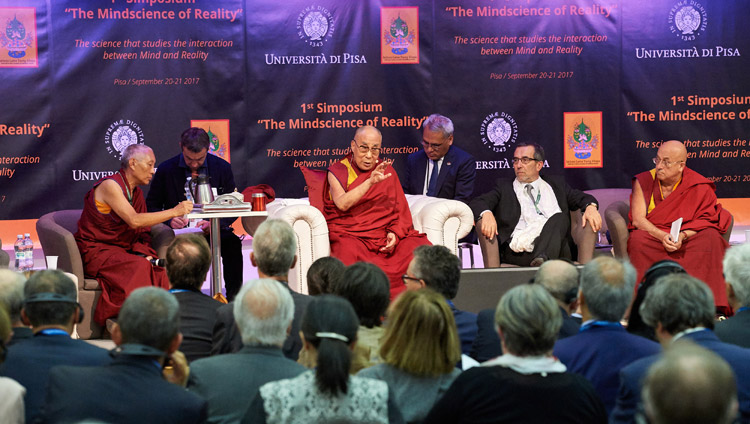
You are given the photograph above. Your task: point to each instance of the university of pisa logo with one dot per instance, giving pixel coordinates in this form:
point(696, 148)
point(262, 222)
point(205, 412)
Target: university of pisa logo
point(687, 19)
point(498, 131)
point(315, 25)
point(121, 134)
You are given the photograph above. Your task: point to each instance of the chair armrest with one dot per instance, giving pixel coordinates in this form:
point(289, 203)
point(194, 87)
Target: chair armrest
point(161, 237)
point(56, 240)
point(444, 221)
point(616, 216)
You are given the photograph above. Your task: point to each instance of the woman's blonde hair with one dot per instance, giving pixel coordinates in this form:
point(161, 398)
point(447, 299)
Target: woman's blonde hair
point(421, 336)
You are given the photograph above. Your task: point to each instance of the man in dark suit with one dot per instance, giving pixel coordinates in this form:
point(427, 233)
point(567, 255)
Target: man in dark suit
point(168, 189)
point(681, 307)
point(603, 347)
point(52, 311)
point(263, 311)
point(188, 260)
point(134, 387)
point(11, 295)
point(454, 176)
point(736, 330)
point(439, 269)
point(274, 253)
point(531, 214)
point(560, 279)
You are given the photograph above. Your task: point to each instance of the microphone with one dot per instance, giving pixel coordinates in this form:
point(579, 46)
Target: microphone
point(158, 262)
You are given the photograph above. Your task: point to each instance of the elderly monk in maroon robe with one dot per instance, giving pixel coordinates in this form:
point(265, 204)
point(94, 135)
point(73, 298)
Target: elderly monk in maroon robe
point(670, 191)
point(114, 232)
point(366, 210)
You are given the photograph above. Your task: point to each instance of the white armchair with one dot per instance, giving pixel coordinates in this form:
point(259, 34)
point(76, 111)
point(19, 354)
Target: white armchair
point(443, 221)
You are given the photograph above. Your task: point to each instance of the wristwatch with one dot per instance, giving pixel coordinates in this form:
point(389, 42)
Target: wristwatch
point(596, 205)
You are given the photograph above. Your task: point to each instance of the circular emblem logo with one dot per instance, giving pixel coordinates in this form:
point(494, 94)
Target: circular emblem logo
point(315, 25)
point(121, 134)
point(498, 131)
point(687, 19)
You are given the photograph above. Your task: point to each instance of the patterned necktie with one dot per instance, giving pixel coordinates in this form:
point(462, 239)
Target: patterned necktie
point(432, 185)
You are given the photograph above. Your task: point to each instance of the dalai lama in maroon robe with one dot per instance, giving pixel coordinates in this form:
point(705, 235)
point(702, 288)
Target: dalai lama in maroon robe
point(114, 232)
point(367, 213)
point(661, 196)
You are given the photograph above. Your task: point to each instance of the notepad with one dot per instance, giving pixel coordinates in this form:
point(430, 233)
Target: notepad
point(675, 233)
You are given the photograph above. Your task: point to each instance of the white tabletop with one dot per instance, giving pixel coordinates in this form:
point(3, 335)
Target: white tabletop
point(230, 214)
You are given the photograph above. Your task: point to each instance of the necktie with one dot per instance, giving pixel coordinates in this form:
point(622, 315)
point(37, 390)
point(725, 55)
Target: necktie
point(528, 188)
point(432, 185)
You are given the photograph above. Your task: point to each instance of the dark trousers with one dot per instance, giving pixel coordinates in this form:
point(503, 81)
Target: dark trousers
point(231, 259)
point(552, 243)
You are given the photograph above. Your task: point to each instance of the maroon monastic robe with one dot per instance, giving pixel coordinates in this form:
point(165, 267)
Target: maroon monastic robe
point(110, 249)
point(694, 200)
point(359, 233)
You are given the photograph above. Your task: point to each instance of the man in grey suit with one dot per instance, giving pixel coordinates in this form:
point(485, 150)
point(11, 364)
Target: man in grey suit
point(736, 330)
point(263, 311)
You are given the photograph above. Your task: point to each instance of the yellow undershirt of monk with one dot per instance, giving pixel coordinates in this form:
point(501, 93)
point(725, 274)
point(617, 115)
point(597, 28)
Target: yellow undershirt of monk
point(651, 204)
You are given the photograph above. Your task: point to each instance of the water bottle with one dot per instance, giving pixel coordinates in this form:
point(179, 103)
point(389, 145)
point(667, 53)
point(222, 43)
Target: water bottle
point(29, 245)
point(18, 247)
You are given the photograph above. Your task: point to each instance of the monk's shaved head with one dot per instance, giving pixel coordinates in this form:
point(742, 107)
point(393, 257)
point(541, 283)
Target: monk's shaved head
point(367, 131)
point(673, 150)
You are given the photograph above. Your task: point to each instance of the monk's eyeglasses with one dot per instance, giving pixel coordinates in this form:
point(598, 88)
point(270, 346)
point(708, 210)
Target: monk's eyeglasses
point(665, 162)
point(364, 149)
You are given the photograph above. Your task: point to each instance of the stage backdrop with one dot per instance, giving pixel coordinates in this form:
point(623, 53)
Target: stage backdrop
point(282, 84)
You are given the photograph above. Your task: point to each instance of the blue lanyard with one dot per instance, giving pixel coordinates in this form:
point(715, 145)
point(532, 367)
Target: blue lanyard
point(53, 332)
point(591, 324)
point(744, 308)
point(178, 291)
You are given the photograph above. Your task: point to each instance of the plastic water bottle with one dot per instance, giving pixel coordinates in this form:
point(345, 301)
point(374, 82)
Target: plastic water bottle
point(18, 247)
point(29, 247)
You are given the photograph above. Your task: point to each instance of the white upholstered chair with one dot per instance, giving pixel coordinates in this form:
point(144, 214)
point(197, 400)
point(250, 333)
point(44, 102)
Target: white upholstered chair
point(443, 221)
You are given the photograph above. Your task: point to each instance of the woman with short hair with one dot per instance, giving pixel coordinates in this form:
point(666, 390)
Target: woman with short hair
point(526, 384)
point(328, 393)
point(420, 350)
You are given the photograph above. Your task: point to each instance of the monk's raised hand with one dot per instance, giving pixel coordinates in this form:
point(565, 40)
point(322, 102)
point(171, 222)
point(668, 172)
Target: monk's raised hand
point(378, 174)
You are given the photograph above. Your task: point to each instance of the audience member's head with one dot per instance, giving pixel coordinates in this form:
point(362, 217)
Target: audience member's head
point(654, 272)
point(50, 300)
point(263, 311)
point(690, 384)
point(323, 274)
point(678, 302)
point(149, 316)
point(737, 275)
point(560, 278)
point(274, 249)
point(5, 332)
point(437, 268)
point(421, 336)
point(11, 294)
point(607, 288)
point(188, 260)
point(528, 320)
point(367, 288)
point(330, 325)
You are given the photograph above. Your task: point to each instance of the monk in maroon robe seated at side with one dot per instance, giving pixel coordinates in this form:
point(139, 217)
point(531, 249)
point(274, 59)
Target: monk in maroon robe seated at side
point(366, 210)
point(670, 191)
point(114, 232)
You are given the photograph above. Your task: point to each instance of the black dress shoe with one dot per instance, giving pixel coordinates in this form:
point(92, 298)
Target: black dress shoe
point(538, 261)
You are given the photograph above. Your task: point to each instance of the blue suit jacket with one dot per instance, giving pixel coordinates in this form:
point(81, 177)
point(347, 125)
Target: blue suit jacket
point(455, 180)
point(599, 353)
point(632, 376)
point(167, 188)
point(466, 322)
point(129, 390)
point(29, 362)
